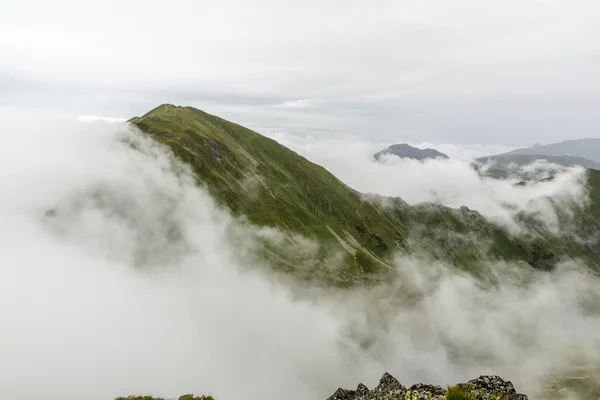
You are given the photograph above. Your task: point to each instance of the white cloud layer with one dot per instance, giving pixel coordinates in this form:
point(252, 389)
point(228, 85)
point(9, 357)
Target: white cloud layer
point(90, 118)
point(452, 182)
point(135, 285)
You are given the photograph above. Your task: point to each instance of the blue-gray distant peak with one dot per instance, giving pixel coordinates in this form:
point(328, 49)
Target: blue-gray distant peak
point(406, 151)
point(585, 148)
point(584, 152)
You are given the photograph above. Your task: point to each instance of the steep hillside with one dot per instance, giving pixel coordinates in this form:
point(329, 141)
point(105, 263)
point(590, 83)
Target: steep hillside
point(406, 151)
point(273, 186)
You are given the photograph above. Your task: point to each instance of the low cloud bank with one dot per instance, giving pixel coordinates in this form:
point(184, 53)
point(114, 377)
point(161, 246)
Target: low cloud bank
point(118, 276)
point(91, 118)
point(451, 182)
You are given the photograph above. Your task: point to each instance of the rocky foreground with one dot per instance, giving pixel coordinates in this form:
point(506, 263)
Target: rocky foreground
point(184, 397)
point(482, 388)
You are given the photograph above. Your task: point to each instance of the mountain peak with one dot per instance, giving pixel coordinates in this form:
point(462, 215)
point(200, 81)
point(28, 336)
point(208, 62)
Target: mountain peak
point(270, 185)
point(404, 150)
point(171, 114)
point(163, 107)
point(584, 152)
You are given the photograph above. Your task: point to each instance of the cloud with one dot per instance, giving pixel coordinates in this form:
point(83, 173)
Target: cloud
point(133, 274)
point(465, 152)
point(453, 182)
point(91, 118)
point(510, 72)
point(137, 282)
point(303, 103)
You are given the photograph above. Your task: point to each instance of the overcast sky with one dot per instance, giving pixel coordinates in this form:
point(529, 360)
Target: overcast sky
point(510, 72)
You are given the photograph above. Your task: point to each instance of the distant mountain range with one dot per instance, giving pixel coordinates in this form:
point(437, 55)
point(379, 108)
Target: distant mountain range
point(584, 148)
point(583, 152)
point(404, 150)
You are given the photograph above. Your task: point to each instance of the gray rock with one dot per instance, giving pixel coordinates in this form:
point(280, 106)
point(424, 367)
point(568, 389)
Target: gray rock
point(404, 150)
point(482, 388)
point(492, 388)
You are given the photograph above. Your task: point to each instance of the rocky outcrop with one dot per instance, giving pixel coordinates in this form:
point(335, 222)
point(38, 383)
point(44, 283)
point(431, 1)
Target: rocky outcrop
point(482, 388)
point(404, 150)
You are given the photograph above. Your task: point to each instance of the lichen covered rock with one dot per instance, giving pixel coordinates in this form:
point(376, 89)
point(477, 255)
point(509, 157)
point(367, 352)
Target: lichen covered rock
point(422, 391)
point(493, 388)
point(482, 388)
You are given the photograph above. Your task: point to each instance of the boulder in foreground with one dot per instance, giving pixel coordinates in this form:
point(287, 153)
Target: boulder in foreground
point(482, 388)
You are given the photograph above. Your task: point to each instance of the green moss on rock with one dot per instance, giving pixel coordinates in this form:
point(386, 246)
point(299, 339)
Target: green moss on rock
point(482, 388)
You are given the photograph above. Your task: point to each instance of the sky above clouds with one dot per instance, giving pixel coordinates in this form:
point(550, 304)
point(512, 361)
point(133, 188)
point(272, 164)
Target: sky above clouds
point(502, 72)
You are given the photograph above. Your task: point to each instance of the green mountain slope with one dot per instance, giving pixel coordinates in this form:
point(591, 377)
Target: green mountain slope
point(271, 185)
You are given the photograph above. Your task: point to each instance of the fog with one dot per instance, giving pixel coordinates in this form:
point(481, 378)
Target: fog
point(119, 276)
point(514, 72)
point(451, 182)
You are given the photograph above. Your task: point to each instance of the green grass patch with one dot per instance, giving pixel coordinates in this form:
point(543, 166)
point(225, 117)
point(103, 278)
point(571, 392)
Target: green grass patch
point(459, 393)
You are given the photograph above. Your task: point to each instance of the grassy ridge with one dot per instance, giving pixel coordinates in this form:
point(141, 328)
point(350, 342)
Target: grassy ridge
point(273, 186)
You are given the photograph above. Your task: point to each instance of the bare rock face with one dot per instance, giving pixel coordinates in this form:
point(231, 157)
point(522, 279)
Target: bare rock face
point(482, 388)
point(492, 388)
